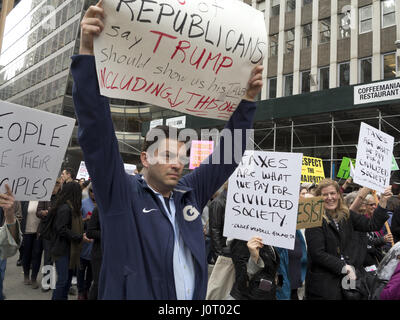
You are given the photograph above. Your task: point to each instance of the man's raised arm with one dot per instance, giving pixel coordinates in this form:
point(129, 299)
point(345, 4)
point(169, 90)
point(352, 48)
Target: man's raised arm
point(96, 133)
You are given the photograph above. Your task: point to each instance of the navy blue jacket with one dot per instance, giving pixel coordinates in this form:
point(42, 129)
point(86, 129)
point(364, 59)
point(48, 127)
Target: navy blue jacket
point(138, 246)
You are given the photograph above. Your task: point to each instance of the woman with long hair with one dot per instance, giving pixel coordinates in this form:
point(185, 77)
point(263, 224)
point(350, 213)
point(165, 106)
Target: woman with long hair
point(332, 252)
point(67, 237)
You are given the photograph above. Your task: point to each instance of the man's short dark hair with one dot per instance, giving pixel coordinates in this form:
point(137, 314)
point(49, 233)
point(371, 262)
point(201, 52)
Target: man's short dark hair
point(71, 172)
point(166, 131)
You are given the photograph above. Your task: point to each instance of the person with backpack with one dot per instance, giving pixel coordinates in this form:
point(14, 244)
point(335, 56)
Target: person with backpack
point(67, 235)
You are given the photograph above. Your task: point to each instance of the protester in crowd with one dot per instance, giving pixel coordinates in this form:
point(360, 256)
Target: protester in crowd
point(346, 184)
point(68, 235)
point(68, 175)
point(330, 249)
point(312, 188)
point(303, 191)
point(20, 220)
point(85, 270)
point(94, 232)
point(256, 268)
point(42, 213)
point(140, 257)
point(217, 218)
point(33, 246)
point(392, 289)
point(395, 227)
point(85, 190)
point(10, 233)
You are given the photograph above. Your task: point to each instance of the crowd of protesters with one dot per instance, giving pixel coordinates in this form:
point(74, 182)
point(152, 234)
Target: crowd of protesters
point(142, 237)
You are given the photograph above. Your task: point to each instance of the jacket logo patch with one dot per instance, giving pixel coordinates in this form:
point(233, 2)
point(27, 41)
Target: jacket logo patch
point(147, 211)
point(190, 213)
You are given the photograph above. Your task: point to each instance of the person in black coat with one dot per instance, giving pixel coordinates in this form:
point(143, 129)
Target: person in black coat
point(395, 227)
point(216, 223)
point(94, 232)
point(66, 241)
point(331, 250)
point(256, 269)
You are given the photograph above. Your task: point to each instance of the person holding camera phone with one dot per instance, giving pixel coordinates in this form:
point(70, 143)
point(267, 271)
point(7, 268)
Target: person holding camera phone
point(256, 268)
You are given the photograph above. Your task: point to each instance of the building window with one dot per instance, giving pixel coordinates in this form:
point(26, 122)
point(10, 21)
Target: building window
point(288, 85)
point(389, 66)
point(307, 35)
point(305, 2)
point(324, 30)
point(388, 15)
point(275, 8)
point(305, 81)
point(344, 74)
point(323, 75)
point(365, 19)
point(273, 45)
point(365, 70)
point(289, 35)
point(344, 25)
point(290, 5)
point(272, 88)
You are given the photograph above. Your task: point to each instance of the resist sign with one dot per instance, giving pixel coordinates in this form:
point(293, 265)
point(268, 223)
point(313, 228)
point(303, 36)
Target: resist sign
point(263, 197)
point(32, 148)
point(190, 56)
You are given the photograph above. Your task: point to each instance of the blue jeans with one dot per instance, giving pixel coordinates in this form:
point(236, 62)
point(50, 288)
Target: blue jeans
point(3, 264)
point(64, 277)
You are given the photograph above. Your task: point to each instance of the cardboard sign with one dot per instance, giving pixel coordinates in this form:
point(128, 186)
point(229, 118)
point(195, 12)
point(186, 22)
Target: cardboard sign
point(32, 148)
point(311, 211)
point(189, 56)
point(199, 151)
point(374, 158)
point(82, 172)
point(263, 196)
point(344, 170)
point(312, 170)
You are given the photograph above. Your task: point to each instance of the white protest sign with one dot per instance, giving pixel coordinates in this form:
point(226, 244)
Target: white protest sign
point(177, 122)
point(155, 123)
point(263, 196)
point(82, 172)
point(32, 148)
point(189, 56)
point(374, 158)
point(130, 168)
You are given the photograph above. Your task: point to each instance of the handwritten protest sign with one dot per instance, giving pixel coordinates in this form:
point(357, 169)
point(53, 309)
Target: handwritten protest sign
point(311, 212)
point(82, 172)
point(262, 199)
point(374, 158)
point(199, 151)
point(32, 148)
point(312, 170)
point(344, 169)
point(187, 56)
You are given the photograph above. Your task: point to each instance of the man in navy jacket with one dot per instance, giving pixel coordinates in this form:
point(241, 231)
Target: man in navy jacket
point(152, 235)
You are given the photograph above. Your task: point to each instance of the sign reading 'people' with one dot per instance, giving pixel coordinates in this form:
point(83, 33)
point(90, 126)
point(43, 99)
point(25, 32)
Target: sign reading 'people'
point(32, 148)
point(190, 56)
point(374, 158)
point(262, 200)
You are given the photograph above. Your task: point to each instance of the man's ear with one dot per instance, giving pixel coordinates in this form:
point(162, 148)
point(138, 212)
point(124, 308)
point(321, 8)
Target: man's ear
point(144, 160)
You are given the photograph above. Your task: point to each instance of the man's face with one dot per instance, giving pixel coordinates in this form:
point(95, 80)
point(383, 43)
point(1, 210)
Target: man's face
point(65, 176)
point(164, 168)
